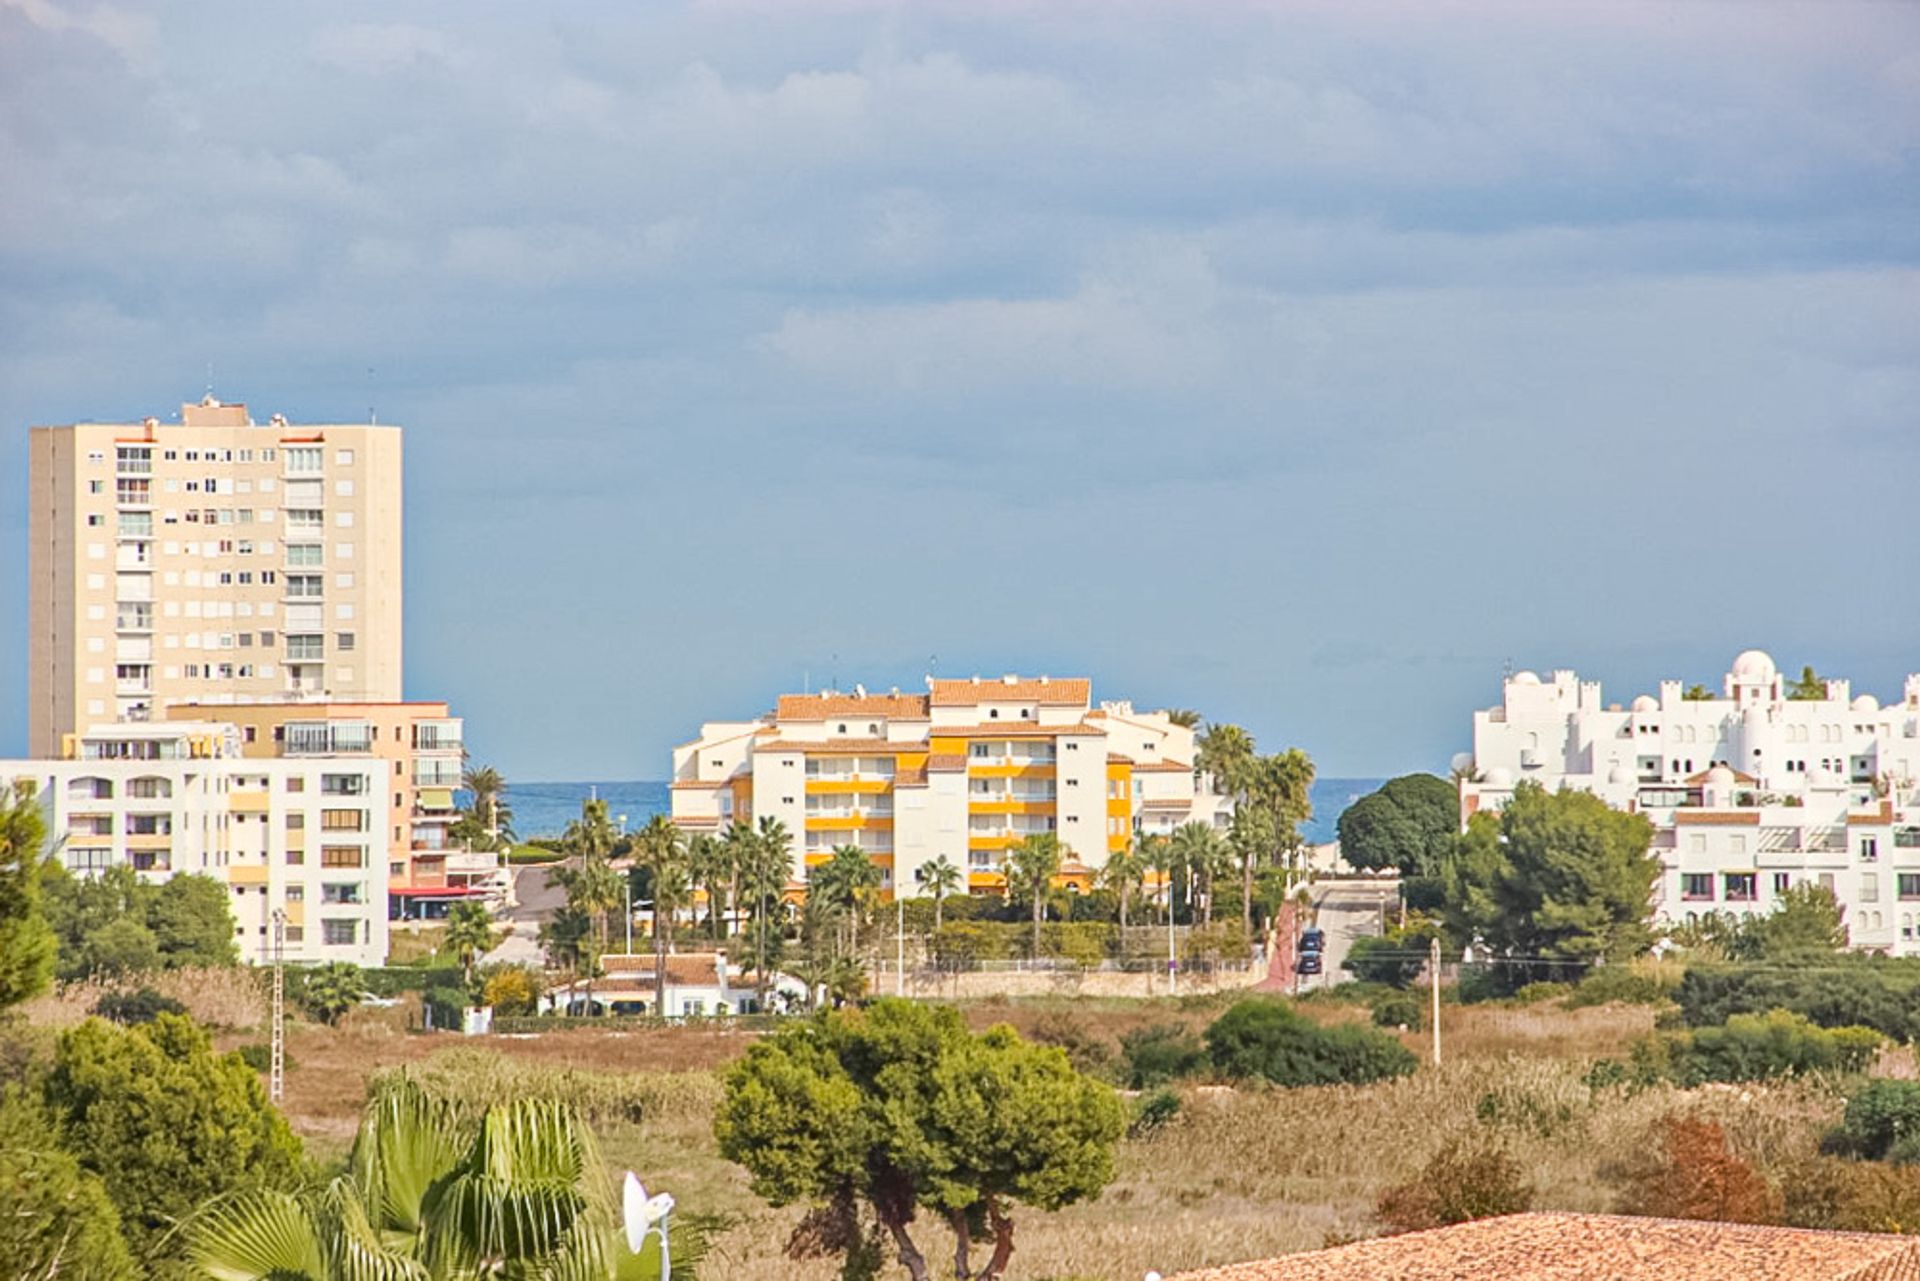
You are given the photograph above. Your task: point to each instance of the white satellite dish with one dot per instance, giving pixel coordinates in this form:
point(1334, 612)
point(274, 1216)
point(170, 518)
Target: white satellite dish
point(641, 1214)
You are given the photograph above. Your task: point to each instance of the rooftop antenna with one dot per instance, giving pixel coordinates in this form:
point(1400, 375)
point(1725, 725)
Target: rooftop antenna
point(373, 419)
point(1506, 669)
point(209, 380)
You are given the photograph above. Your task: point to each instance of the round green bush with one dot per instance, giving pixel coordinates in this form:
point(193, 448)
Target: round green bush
point(1402, 1009)
point(1269, 1040)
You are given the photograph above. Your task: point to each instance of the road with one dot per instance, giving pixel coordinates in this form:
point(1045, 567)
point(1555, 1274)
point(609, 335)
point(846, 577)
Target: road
point(535, 897)
point(1348, 910)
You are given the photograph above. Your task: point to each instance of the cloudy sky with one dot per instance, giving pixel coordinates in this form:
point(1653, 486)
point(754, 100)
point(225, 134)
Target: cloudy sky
point(1299, 364)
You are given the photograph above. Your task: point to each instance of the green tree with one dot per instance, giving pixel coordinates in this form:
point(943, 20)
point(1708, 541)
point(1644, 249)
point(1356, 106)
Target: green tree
point(1697, 694)
point(430, 1195)
point(330, 990)
point(707, 869)
point(847, 885)
point(191, 921)
point(470, 935)
point(485, 822)
point(56, 1219)
point(121, 947)
point(1227, 753)
point(1282, 785)
point(1555, 881)
point(165, 1123)
point(27, 941)
point(938, 878)
point(1267, 1039)
point(663, 852)
point(769, 870)
point(1122, 874)
point(115, 923)
point(571, 942)
point(1032, 863)
point(1806, 922)
point(1203, 853)
point(742, 846)
point(1810, 688)
point(878, 1114)
point(1409, 823)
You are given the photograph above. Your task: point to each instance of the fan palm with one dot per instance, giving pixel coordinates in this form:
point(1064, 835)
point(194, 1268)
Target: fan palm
point(469, 933)
point(771, 868)
point(660, 849)
point(741, 846)
point(938, 877)
point(846, 883)
point(1032, 863)
point(427, 1196)
point(1227, 753)
point(488, 816)
point(1201, 851)
point(1122, 874)
point(1156, 857)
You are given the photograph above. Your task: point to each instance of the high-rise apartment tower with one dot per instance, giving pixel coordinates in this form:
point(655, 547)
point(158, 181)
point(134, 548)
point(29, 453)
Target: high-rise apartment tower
point(213, 560)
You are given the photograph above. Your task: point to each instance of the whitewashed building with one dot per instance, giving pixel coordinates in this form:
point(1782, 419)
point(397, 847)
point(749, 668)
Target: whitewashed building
point(299, 836)
point(962, 771)
point(1750, 791)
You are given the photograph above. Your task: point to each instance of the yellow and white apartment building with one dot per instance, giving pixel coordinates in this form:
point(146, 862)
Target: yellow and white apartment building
point(963, 771)
point(299, 835)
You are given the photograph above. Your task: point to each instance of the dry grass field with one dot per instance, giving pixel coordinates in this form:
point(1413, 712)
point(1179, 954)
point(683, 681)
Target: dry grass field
point(1240, 1173)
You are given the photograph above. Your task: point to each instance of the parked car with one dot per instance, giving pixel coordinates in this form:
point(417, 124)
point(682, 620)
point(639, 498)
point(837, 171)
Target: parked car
point(1309, 963)
point(1313, 940)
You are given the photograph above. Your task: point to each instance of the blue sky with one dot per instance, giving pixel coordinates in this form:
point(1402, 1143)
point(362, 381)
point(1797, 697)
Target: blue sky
point(1300, 364)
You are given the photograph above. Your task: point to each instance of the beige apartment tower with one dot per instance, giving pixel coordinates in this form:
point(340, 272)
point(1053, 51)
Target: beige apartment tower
point(211, 561)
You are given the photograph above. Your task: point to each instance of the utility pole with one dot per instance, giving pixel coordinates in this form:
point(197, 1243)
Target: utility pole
point(1173, 964)
point(629, 914)
point(277, 1064)
point(1433, 966)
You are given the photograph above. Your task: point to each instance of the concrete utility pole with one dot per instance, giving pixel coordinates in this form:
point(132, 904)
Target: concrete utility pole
point(277, 1062)
point(1434, 967)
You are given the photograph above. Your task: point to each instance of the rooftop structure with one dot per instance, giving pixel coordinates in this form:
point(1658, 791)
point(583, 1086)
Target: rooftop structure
point(962, 771)
point(1595, 1247)
point(1751, 790)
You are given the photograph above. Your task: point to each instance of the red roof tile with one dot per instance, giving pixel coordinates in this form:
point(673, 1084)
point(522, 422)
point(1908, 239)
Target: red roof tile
point(818, 707)
point(1074, 691)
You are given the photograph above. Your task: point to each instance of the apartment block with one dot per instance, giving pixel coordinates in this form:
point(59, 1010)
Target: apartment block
point(1751, 790)
point(416, 750)
point(209, 560)
point(297, 837)
point(963, 771)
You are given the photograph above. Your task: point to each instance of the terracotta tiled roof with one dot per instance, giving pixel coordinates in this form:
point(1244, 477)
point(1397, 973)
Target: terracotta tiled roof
point(685, 969)
point(1115, 758)
point(1167, 803)
point(946, 763)
point(1013, 729)
point(910, 778)
point(1871, 818)
point(1163, 767)
point(1716, 818)
point(1738, 776)
point(871, 746)
point(1595, 1247)
point(818, 707)
point(1074, 691)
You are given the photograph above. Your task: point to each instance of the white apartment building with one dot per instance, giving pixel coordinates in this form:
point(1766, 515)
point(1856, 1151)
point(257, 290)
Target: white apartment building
point(1750, 791)
point(963, 771)
point(209, 560)
point(299, 835)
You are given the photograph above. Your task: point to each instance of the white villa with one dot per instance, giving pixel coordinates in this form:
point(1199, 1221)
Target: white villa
point(1750, 791)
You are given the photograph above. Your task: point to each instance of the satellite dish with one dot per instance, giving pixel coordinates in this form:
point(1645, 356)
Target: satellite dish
point(633, 1204)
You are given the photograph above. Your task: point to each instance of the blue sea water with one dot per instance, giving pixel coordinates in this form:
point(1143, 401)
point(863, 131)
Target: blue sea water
point(545, 809)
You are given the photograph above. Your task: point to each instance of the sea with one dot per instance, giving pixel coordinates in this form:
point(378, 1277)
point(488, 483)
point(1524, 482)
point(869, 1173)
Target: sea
point(545, 809)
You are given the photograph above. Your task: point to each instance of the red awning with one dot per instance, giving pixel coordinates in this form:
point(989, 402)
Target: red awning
point(434, 891)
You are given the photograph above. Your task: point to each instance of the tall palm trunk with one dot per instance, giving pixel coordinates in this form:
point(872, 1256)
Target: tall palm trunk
point(659, 955)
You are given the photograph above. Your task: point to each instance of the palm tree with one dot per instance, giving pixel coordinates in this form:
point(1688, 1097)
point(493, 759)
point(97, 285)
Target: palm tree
point(741, 845)
point(431, 1196)
point(707, 870)
point(846, 883)
point(1282, 785)
point(1200, 850)
point(660, 849)
point(1227, 753)
point(1032, 863)
point(593, 834)
point(938, 877)
point(1250, 836)
point(1122, 874)
point(1184, 717)
point(488, 818)
point(333, 989)
point(772, 867)
point(1156, 857)
point(568, 937)
point(469, 933)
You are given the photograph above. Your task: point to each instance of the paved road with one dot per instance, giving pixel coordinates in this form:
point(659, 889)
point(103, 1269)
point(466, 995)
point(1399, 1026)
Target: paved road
point(1349, 910)
point(535, 896)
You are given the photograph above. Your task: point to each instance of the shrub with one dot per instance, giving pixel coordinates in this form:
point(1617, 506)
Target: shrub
point(1851, 1196)
point(1396, 958)
point(1153, 1056)
point(58, 1220)
point(1153, 1112)
point(511, 990)
point(1269, 1040)
point(142, 1006)
point(1212, 944)
point(1084, 943)
point(445, 1007)
point(1608, 984)
point(962, 945)
point(1466, 1179)
point(1758, 1047)
point(1879, 1115)
point(1478, 983)
point(258, 1055)
point(1689, 1173)
point(1401, 1009)
point(1843, 992)
point(1536, 993)
point(1086, 1051)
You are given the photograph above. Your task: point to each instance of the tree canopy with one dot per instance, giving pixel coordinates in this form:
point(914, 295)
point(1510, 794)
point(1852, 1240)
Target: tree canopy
point(26, 940)
point(873, 1115)
point(1409, 823)
point(115, 923)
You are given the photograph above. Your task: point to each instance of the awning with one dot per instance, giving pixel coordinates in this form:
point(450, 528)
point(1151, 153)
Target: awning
point(434, 891)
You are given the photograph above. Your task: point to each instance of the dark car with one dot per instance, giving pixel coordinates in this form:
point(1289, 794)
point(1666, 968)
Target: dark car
point(1309, 963)
point(1314, 940)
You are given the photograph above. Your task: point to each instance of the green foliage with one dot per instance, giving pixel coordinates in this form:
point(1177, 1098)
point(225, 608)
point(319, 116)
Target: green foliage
point(1473, 1178)
point(1539, 993)
point(1401, 1009)
point(510, 990)
point(1267, 1039)
point(1880, 1116)
point(142, 1006)
point(166, 1124)
point(1806, 923)
point(56, 1219)
point(898, 1108)
point(962, 945)
point(1152, 1113)
point(115, 923)
point(258, 1055)
point(1083, 943)
point(1396, 958)
point(1844, 991)
point(26, 939)
point(1759, 1047)
point(469, 933)
point(445, 1007)
point(1556, 875)
point(1809, 688)
point(325, 992)
point(1609, 984)
point(1152, 1056)
point(1409, 823)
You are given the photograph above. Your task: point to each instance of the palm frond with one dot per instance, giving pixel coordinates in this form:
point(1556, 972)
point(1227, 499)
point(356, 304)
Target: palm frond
point(408, 1143)
point(260, 1236)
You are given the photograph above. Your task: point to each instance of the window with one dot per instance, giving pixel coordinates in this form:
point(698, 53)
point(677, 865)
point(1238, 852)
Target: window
point(343, 820)
point(343, 457)
point(1909, 885)
point(343, 784)
point(1781, 882)
point(343, 641)
point(305, 554)
point(1741, 887)
point(296, 894)
point(305, 584)
point(337, 856)
point(305, 648)
point(1869, 849)
point(339, 933)
point(1696, 887)
point(296, 821)
point(303, 459)
point(1870, 887)
point(337, 893)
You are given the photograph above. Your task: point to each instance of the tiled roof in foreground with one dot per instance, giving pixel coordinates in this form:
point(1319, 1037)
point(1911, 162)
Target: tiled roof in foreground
point(1595, 1247)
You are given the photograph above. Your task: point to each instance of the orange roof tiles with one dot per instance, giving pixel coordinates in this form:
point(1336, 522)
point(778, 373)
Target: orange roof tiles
point(818, 707)
point(1871, 818)
point(1013, 729)
point(1074, 691)
point(1163, 767)
point(1595, 1247)
point(946, 763)
point(872, 746)
point(1716, 818)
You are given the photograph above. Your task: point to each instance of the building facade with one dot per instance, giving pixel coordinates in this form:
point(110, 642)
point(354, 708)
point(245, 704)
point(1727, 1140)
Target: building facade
point(209, 560)
point(1751, 791)
point(963, 771)
point(299, 836)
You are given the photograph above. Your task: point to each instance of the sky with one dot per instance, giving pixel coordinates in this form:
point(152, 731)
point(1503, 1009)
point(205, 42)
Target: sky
point(1299, 364)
